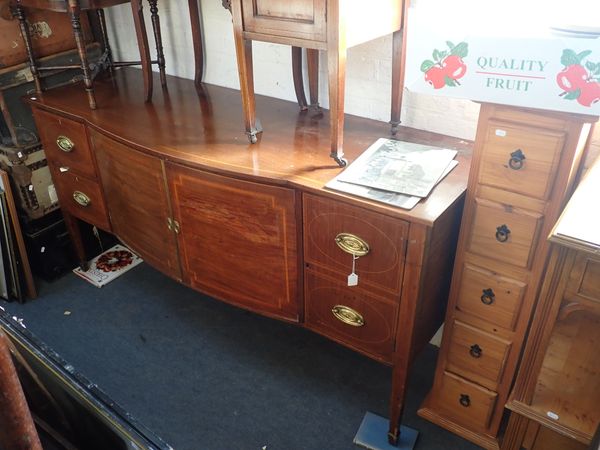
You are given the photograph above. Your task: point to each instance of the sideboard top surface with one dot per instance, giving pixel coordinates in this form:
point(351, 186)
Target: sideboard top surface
point(203, 128)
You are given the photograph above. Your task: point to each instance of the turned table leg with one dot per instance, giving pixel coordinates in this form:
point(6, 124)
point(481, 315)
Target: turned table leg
point(160, 56)
point(197, 41)
point(142, 40)
point(19, 13)
point(75, 12)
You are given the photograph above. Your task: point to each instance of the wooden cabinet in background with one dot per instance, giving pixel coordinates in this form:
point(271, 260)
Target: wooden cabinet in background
point(524, 165)
point(557, 390)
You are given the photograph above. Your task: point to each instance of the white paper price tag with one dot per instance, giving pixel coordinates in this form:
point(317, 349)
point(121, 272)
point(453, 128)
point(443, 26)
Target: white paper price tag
point(352, 279)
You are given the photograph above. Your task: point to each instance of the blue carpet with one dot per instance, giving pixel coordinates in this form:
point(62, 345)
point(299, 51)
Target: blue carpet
point(205, 375)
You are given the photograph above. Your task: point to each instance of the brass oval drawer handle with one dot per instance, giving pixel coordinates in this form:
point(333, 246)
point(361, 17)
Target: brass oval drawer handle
point(65, 144)
point(475, 351)
point(352, 244)
point(81, 198)
point(502, 233)
point(465, 400)
point(488, 296)
point(516, 159)
point(348, 315)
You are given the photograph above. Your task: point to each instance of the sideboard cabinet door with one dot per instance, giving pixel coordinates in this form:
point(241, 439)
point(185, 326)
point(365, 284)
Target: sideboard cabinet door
point(138, 203)
point(237, 240)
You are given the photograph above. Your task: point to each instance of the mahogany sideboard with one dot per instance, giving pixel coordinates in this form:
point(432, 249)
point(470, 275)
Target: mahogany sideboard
point(252, 225)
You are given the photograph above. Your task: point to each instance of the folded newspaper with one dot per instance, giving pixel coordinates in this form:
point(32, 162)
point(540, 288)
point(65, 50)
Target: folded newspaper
point(110, 264)
point(395, 172)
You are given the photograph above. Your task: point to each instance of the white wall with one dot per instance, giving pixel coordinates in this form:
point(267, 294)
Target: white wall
point(368, 71)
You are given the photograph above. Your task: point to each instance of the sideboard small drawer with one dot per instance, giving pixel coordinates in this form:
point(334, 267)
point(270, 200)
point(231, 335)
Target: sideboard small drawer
point(520, 159)
point(81, 197)
point(334, 230)
point(350, 315)
point(467, 403)
point(501, 232)
point(490, 296)
point(65, 143)
point(477, 355)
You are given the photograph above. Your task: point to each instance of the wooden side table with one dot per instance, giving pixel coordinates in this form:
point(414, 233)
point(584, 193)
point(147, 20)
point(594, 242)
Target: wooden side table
point(330, 25)
point(74, 9)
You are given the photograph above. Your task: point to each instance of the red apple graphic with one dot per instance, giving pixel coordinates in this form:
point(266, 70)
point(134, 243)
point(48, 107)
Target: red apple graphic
point(454, 67)
point(590, 93)
point(435, 76)
point(572, 77)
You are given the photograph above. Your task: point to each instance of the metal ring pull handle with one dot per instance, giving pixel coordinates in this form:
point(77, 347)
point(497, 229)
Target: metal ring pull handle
point(465, 400)
point(488, 296)
point(516, 159)
point(65, 144)
point(352, 244)
point(502, 233)
point(348, 315)
point(81, 199)
point(475, 351)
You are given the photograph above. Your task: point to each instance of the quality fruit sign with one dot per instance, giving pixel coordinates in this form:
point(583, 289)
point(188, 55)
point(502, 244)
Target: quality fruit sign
point(555, 73)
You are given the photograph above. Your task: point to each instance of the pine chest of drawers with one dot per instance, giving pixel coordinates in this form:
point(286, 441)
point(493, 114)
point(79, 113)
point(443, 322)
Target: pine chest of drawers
point(523, 168)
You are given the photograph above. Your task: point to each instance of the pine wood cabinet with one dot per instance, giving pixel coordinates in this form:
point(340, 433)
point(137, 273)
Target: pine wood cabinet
point(524, 166)
point(253, 225)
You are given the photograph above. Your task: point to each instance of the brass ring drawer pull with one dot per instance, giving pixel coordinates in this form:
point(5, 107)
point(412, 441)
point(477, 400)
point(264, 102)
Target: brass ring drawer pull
point(516, 159)
point(352, 244)
point(348, 315)
point(65, 144)
point(502, 233)
point(81, 198)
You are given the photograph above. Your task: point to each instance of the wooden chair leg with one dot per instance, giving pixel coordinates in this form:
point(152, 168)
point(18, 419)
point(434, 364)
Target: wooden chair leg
point(398, 60)
point(196, 40)
point(243, 48)
point(142, 40)
point(298, 78)
point(75, 12)
point(312, 63)
point(19, 13)
point(336, 62)
point(160, 56)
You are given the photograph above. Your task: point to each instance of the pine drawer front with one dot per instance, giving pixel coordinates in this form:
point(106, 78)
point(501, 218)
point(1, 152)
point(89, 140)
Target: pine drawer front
point(467, 403)
point(333, 229)
point(477, 355)
point(500, 232)
point(81, 197)
point(65, 143)
point(490, 296)
point(350, 315)
point(521, 159)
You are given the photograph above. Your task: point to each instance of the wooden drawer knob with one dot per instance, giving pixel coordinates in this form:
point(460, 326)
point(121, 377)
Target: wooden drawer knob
point(348, 315)
point(516, 159)
point(81, 199)
point(352, 244)
point(502, 233)
point(65, 144)
point(488, 296)
point(465, 400)
point(475, 351)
